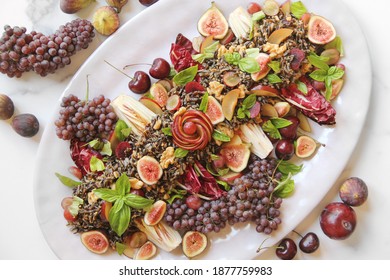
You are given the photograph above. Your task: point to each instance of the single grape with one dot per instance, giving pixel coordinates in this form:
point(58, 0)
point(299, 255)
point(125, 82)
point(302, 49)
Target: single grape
point(193, 202)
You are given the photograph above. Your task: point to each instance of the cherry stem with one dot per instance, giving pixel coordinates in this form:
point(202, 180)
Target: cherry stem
point(120, 71)
point(298, 233)
point(136, 64)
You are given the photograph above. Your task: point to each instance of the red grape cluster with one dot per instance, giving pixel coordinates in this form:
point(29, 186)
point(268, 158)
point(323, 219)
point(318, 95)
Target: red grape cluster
point(22, 52)
point(249, 200)
point(85, 120)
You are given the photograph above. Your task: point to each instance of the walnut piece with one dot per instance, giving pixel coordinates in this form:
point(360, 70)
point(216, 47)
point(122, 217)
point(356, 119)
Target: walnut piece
point(167, 157)
point(92, 198)
point(274, 50)
point(215, 88)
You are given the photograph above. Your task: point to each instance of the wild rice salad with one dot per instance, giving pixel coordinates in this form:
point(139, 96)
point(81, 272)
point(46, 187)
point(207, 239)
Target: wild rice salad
point(210, 142)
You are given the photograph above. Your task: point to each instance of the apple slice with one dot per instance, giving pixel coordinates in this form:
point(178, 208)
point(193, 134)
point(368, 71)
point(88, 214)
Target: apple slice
point(151, 105)
point(229, 103)
point(267, 110)
point(279, 35)
point(261, 90)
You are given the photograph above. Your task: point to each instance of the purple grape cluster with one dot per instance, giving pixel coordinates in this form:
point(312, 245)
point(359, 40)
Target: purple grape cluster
point(23, 52)
point(250, 199)
point(85, 120)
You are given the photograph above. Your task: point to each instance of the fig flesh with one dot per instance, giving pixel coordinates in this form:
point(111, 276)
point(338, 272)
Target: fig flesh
point(353, 191)
point(154, 215)
point(149, 170)
point(305, 146)
point(135, 240)
point(214, 111)
point(236, 156)
point(95, 241)
point(194, 243)
point(262, 59)
point(320, 30)
point(213, 22)
point(146, 252)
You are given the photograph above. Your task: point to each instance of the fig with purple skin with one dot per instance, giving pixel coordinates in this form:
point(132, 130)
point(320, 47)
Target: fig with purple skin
point(154, 215)
point(26, 125)
point(73, 6)
point(353, 191)
point(6, 107)
point(146, 252)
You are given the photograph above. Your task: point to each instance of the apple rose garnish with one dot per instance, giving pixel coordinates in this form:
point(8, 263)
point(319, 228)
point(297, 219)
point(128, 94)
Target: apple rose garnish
point(192, 130)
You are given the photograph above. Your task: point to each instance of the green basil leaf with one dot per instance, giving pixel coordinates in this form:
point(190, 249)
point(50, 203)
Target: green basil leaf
point(286, 167)
point(119, 204)
point(211, 49)
point(298, 9)
point(74, 207)
point(274, 79)
point(250, 101)
point(336, 44)
point(204, 102)
point(280, 122)
point(258, 16)
point(119, 219)
point(241, 113)
point(106, 150)
point(249, 65)
point(218, 135)
point(167, 131)
point(335, 73)
point(96, 164)
point(275, 65)
point(67, 181)
point(180, 153)
point(302, 87)
point(96, 144)
point(199, 57)
point(318, 61)
point(319, 75)
point(271, 130)
point(285, 188)
point(328, 88)
point(107, 194)
point(232, 58)
point(214, 157)
point(252, 52)
point(120, 247)
point(136, 201)
point(122, 185)
point(185, 76)
point(225, 185)
point(119, 126)
point(222, 172)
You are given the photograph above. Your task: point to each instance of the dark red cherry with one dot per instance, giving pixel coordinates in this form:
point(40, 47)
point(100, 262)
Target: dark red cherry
point(140, 82)
point(287, 249)
point(160, 69)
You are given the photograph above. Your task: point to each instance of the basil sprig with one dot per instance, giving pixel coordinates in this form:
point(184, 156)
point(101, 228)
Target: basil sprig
point(185, 76)
point(248, 103)
point(246, 64)
point(272, 126)
point(180, 153)
point(120, 214)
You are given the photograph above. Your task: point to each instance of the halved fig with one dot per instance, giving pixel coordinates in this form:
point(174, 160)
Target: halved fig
point(129, 252)
point(231, 79)
point(95, 241)
point(194, 243)
point(166, 83)
point(320, 30)
point(154, 215)
point(135, 240)
point(214, 111)
point(230, 177)
point(279, 35)
point(149, 170)
point(282, 108)
point(262, 59)
point(305, 146)
point(333, 56)
point(173, 102)
point(213, 22)
point(236, 156)
point(229, 103)
point(159, 94)
point(146, 252)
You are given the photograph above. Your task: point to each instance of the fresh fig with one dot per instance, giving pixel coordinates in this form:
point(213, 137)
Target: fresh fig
point(149, 170)
point(95, 241)
point(146, 252)
point(136, 239)
point(117, 4)
point(106, 20)
point(213, 22)
point(298, 57)
point(320, 30)
point(214, 111)
point(353, 191)
point(26, 125)
point(229, 103)
point(236, 156)
point(6, 107)
point(305, 146)
point(194, 243)
point(159, 94)
point(73, 6)
point(154, 215)
point(262, 59)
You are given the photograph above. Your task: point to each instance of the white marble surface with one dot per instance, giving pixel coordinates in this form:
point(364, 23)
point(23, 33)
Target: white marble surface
point(20, 235)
